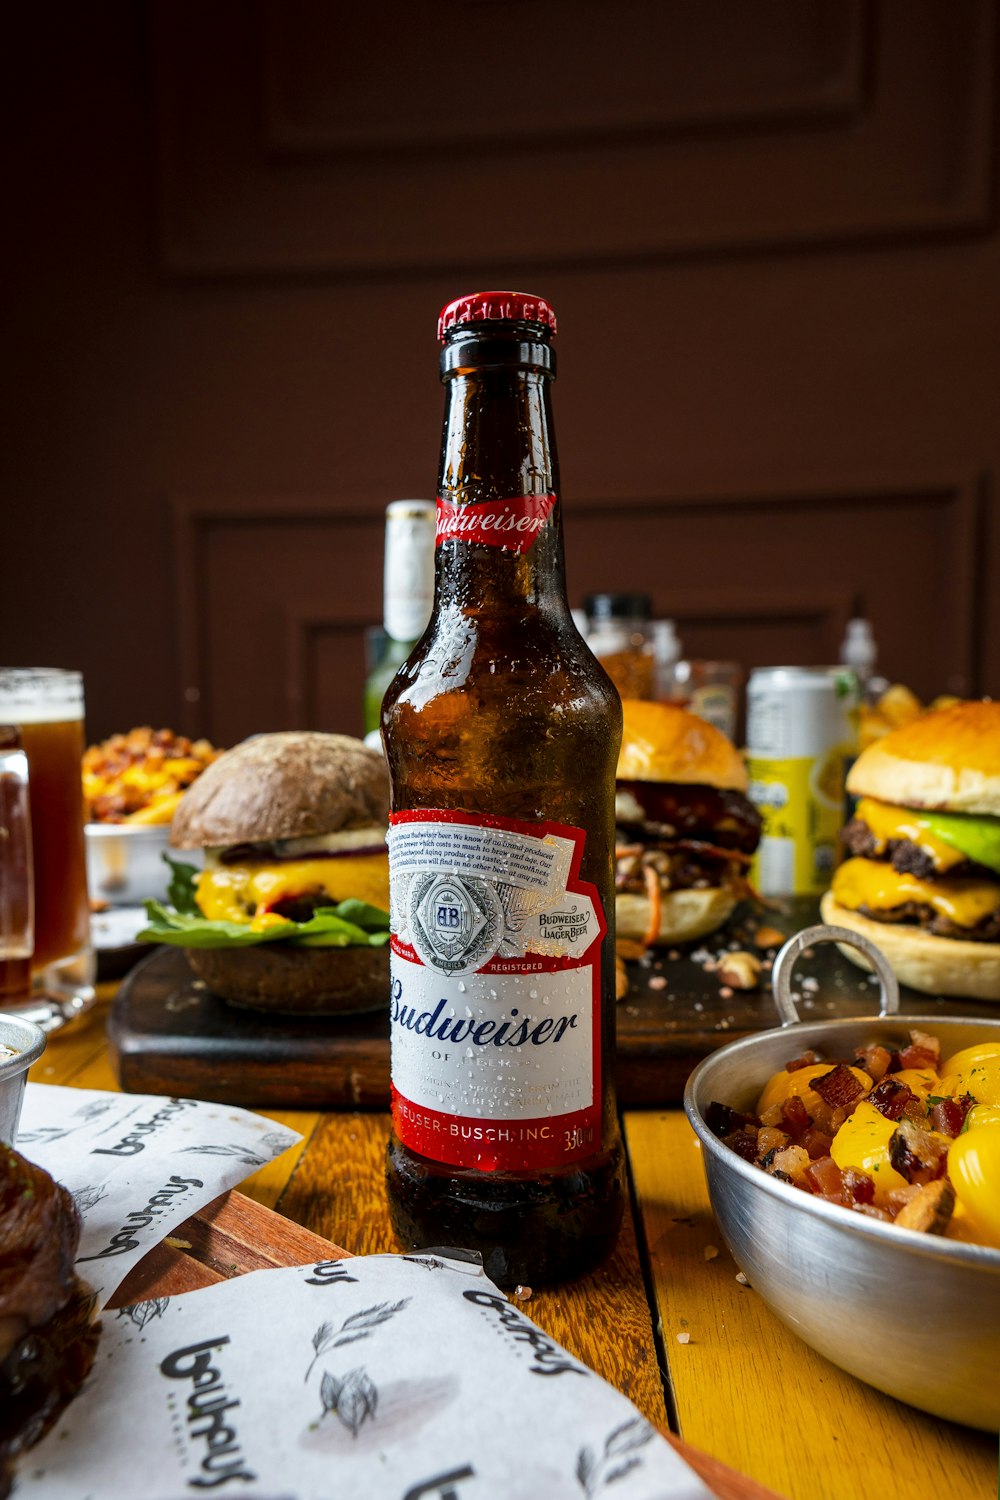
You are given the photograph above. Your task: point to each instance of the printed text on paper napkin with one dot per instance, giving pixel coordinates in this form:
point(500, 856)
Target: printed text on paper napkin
point(377, 1378)
point(138, 1165)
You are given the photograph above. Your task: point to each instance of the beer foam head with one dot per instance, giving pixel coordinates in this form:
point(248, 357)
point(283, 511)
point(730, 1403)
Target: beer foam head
point(40, 695)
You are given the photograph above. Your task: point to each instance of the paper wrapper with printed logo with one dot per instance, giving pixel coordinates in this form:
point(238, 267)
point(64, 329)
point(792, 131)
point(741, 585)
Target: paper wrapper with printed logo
point(380, 1378)
point(496, 990)
point(138, 1165)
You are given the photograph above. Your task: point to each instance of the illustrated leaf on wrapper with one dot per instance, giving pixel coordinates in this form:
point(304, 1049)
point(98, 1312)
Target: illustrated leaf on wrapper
point(353, 1398)
point(620, 1456)
point(141, 1313)
point(46, 1134)
point(244, 1154)
point(87, 1198)
point(358, 1326)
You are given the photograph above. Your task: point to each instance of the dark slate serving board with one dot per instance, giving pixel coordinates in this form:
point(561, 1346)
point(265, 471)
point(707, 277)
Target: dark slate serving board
point(169, 1035)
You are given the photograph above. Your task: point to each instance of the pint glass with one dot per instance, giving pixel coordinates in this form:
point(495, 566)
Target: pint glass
point(44, 709)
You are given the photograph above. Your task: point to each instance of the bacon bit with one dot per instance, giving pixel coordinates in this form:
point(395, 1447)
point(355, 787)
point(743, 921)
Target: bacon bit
point(804, 1060)
point(795, 1115)
point(927, 1043)
point(923, 1052)
point(743, 1142)
point(875, 1061)
point(839, 1088)
point(918, 1057)
point(858, 1187)
point(890, 1098)
point(915, 1154)
point(721, 1119)
point(816, 1142)
point(948, 1115)
point(652, 881)
point(824, 1176)
point(768, 937)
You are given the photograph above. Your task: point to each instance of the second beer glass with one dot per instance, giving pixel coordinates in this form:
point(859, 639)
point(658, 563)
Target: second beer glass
point(502, 734)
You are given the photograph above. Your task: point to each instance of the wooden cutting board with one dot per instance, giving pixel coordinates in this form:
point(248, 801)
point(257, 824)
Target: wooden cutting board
point(234, 1235)
point(169, 1035)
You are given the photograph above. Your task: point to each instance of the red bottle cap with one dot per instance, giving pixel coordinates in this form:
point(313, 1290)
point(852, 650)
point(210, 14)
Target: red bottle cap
point(483, 307)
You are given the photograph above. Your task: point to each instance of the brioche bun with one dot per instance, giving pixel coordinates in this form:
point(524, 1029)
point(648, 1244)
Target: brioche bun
point(948, 759)
point(924, 961)
point(283, 786)
point(684, 914)
point(663, 742)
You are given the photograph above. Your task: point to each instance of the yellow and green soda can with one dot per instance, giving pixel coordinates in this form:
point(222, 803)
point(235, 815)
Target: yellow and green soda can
point(802, 733)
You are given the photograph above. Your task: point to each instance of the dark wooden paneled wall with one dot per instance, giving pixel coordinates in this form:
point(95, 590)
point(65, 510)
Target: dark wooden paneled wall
point(770, 234)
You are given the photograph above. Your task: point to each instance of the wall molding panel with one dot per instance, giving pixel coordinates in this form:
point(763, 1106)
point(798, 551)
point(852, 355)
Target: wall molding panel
point(817, 122)
point(274, 592)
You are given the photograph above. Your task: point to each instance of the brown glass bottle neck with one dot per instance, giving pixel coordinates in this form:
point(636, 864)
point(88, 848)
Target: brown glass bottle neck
point(498, 445)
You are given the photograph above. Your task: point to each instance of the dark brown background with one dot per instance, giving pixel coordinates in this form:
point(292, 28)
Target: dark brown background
point(769, 231)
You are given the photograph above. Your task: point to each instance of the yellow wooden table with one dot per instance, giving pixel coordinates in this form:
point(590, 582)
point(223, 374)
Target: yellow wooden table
point(664, 1320)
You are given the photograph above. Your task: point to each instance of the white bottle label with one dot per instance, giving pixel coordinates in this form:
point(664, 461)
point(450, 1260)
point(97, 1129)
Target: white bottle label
point(495, 1009)
point(408, 590)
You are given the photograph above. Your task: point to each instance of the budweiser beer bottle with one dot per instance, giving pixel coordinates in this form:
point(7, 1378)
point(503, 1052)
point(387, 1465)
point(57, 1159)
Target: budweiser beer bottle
point(502, 734)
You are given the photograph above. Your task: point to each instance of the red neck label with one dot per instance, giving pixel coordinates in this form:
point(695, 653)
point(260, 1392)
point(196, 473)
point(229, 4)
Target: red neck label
point(513, 524)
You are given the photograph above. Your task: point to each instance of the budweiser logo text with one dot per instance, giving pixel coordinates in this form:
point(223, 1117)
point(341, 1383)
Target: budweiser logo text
point(513, 524)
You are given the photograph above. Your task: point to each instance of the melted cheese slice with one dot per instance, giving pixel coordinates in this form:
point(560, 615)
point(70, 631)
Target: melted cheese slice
point(887, 822)
point(236, 893)
point(865, 882)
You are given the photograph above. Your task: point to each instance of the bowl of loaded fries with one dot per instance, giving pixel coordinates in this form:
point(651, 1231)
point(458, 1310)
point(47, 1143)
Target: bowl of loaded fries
point(132, 786)
point(854, 1171)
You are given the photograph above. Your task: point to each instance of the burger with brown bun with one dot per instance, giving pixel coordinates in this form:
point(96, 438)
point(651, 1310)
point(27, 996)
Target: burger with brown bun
point(923, 882)
point(290, 912)
point(686, 832)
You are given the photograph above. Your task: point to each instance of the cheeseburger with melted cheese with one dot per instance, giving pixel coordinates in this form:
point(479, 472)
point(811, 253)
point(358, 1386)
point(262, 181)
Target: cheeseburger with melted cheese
point(290, 911)
point(685, 832)
point(923, 882)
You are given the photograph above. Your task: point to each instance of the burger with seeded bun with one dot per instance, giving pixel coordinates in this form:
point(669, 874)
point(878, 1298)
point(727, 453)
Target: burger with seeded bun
point(686, 832)
point(923, 879)
point(290, 912)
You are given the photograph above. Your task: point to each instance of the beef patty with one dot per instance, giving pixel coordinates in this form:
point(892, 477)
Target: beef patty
point(906, 857)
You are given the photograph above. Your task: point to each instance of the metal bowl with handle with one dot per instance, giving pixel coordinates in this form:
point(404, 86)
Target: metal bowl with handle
point(915, 1315)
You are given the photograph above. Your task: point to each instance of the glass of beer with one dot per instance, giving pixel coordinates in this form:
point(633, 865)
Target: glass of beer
point(41, 711)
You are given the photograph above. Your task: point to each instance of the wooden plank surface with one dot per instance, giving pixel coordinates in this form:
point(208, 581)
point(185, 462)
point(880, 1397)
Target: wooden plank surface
point(746, 1389)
